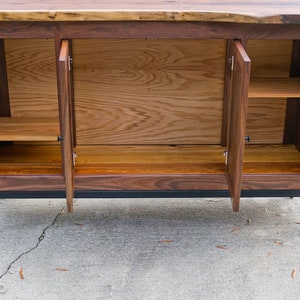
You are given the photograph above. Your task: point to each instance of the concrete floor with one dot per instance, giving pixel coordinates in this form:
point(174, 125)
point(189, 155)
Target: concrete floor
point(150, 249)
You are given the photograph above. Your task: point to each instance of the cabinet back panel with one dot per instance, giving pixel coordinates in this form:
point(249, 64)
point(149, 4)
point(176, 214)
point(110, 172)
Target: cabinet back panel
point(31, 69)
point(270, 58)
point(266, 117)
point(148, 91)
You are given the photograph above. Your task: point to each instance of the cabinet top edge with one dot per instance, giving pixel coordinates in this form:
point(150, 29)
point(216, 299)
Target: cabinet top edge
point(245, 11)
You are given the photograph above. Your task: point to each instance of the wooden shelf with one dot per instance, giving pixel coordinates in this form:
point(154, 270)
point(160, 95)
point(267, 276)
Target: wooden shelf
point(149, 160)
point(30, 160)
point(274, 87)
point(271, 159)
point(29, 129)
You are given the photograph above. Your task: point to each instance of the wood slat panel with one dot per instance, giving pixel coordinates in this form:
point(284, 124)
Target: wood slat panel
point(148, 91)
point(32, 81)
point(29, 129)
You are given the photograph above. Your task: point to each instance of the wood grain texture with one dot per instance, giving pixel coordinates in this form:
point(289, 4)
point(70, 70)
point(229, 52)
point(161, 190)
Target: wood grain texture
point(274, 87)
point(148, 91)
point(265, 120)
point(271, 181)
point(29, 129)
point(270, 58)
point(275, 11)
point(30, 160)
point(151, 182)
point(32, 182)
point(275, 159)
point(32, 81)
point(237, 121)
point(149, 160)
point(150, 168)
point(66, 111)
point(271, 167)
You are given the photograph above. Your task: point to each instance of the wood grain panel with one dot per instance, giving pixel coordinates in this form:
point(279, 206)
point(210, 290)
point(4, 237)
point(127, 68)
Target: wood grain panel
point(148, 91)
point(265, 120)
point(270, 58)
point(32, 78)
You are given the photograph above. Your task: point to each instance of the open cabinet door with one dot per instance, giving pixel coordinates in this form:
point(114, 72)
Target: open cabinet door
point(237, 121)
point(66, 120)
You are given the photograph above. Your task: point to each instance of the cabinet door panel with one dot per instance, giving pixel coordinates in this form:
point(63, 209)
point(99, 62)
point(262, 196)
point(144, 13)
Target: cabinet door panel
point(66, 120)
point(237, 121)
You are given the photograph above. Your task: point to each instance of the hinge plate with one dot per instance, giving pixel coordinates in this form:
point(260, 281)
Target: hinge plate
point(231, 61)
point(70, 61)
point(226, 157)
point(74, 158)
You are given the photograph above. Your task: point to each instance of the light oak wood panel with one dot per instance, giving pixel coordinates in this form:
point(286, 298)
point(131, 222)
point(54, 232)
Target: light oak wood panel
point(270, 58)
point(268, 11)
point(282, 87)
point(30, 160)
point(126, 160)
point(276, 159)
point(148, 91)
point(29, 129)
point(265, 120)
point(32, 81)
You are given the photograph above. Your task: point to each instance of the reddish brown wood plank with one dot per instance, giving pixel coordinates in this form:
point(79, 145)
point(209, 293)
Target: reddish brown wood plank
point(237, 123)
point(66, 111)
point(151, 182)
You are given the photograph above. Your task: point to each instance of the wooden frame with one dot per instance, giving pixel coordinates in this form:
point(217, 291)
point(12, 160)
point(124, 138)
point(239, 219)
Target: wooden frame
point(187, 171)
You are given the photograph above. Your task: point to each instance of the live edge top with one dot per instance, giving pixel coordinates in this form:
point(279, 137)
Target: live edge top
point(242, 11)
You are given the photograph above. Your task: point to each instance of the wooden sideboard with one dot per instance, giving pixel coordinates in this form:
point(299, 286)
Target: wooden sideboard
point(177, 98)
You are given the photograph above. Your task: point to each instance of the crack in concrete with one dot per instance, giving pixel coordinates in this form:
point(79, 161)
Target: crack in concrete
point(40, 239)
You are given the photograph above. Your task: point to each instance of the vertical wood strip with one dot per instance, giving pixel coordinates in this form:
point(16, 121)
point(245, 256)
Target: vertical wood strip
point(66, 111)
point(237, 123)
point(4, 92)
point(227, 94)
point(292, 120)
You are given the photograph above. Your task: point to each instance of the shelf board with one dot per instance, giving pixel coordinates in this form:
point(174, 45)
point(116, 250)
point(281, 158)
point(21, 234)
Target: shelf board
point(29, 129)
point(30, 160)
point(271, 159)
point(149, 160)
point(274, 87)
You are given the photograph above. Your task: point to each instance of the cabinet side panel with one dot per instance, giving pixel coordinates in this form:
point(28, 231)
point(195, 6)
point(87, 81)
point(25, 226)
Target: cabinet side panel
point(149, 91)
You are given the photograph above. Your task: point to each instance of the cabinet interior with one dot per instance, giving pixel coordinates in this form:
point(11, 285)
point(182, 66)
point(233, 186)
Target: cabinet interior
point(149, 107)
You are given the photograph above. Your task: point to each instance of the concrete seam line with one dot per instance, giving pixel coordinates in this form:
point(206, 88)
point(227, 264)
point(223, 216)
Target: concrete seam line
point(40, 239)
